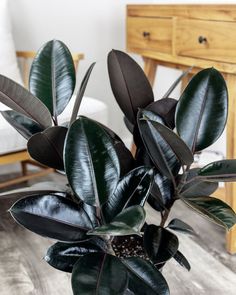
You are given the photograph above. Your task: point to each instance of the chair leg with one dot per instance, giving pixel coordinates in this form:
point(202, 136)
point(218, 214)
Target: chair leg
point(24, 168)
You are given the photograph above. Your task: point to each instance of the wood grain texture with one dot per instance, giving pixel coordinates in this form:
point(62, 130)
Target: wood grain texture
point(185, 62)
point(24, 272)
point(25, 176)
point(213, 271)
point(13, 157)
point(22, 269)
point(158, 33)
point(150, 67)
point(231, 154)
point(207, 275)
point(214, 12)
point(220, 44)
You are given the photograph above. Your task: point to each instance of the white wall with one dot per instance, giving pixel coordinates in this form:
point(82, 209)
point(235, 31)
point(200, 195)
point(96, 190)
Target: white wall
point(92, 27)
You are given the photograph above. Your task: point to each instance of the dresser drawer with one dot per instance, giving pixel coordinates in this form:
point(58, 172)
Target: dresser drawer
point(212, 40)
point(149, 34)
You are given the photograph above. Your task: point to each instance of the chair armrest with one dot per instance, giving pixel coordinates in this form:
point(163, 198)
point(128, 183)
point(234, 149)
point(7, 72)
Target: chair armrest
point(26, 54)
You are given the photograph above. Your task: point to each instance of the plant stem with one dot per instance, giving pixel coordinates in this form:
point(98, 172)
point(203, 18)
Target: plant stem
point(55, 121)
point(164, 218)
point(177, 189)
point(109, 246)
point(183, 179)
point(99, 215)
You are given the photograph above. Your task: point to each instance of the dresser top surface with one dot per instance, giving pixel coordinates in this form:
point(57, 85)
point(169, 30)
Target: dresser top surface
point(222, 12)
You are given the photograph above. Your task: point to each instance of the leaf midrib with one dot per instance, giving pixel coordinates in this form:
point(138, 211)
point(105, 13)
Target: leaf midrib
point(139, 277)
point(199, 208)
point(135, 190)
point(53, 146)
point(219, 176)
point(100, 273)
point(52, 219)
point(162, 156)
point(201, 113)
point(126, 86)
point(24, 111)
point(110, 206)
point(53, 79)
point(92, 171)
point(164, 128)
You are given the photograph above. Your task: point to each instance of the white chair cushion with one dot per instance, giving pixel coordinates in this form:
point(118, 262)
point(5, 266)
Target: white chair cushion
point(12, 141)
point(8, 60)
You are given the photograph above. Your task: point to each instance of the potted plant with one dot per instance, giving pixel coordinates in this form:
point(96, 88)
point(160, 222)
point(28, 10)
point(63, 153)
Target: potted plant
point(99, 218)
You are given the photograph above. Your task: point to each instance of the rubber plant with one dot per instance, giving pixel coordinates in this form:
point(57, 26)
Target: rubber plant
point(99, 218)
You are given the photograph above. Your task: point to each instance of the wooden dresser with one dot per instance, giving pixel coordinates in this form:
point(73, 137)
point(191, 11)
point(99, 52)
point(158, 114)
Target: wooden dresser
point(181, 36)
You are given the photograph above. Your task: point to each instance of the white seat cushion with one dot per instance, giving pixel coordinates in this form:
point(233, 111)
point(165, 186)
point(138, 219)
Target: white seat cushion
point(12, 141)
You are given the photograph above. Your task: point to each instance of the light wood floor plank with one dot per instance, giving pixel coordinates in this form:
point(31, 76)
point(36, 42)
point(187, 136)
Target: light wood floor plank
point(24, 272)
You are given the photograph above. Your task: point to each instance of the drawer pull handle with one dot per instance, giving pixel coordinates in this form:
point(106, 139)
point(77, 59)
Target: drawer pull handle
point(202, 40)
point(146, 34)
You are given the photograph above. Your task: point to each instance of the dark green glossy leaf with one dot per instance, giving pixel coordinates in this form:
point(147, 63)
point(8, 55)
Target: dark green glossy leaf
point(52, 76)
point(128, 222)
point(201, 113)
point(63, 256)
point(129, 84)
point(155, 198)
point(133, 189)
point(21, 100)
point(177, 81)
point(196, 187)
point(128, 292)
point(24, 125)
point(179, 225)
point(29, 192)
point(224, 170)
point(159, 243)
point(166, 189)
point(80, 93)
point(47, 147)
point(129, 125)
point(213, 209)
point(144, 278)
point(162, 193)
point(138, 141)
point(91, 212)
point(125, 157)
point(100, 274)
point(165, 108)
point(182, 260)
point(159, 150)
point(52, 216)
point(91, 162)
point(115, 138)
point(180, 149)
point(142, 157)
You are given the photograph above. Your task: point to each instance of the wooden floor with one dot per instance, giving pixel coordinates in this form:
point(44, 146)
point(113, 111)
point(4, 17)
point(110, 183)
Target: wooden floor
point(24, 272)
point(213, 271)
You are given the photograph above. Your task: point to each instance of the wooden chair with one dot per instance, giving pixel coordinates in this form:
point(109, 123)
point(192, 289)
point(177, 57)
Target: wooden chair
point(22, 157)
